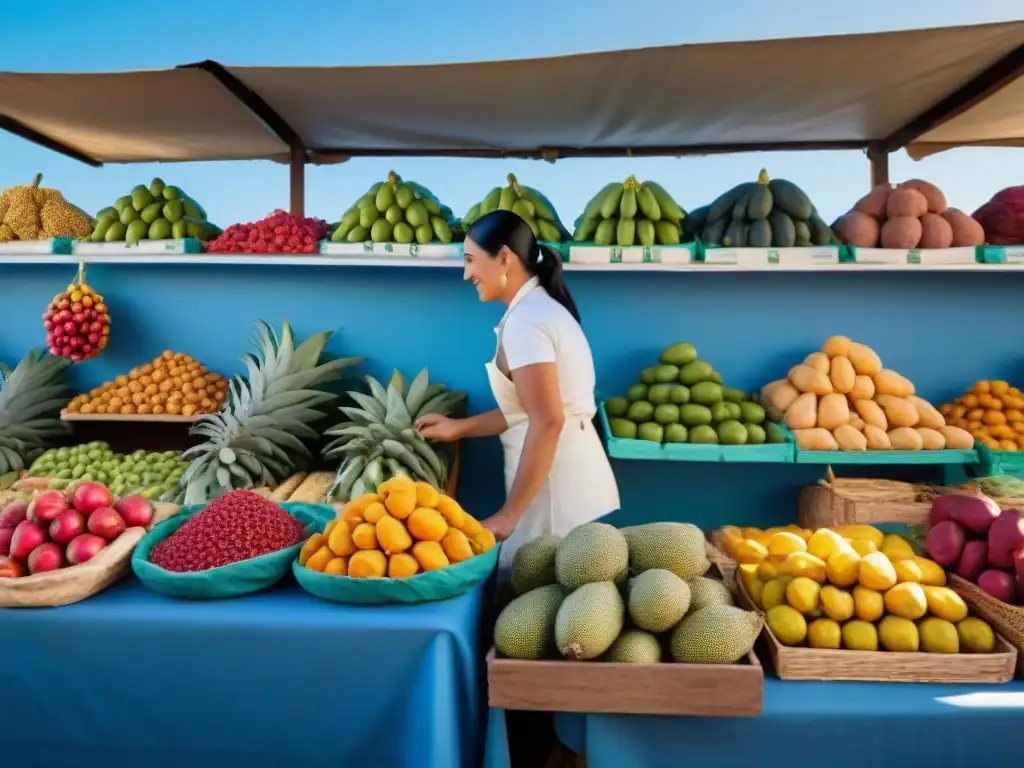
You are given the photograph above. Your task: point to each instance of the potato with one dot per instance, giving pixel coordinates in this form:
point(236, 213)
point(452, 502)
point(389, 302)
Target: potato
point(966, 230)
point(933, 196)
point(902, 232)
point(904, 201)
point(874, 202)
point(857, 229)
point(815, 439)
point(905, 439)
point(935, 231)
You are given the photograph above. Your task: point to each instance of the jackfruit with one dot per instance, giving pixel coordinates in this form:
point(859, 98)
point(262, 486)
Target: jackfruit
point(634, 646)
point(658, 600)
point(534, 564)
point(589, 620)
point(707, 591)
point(592, 552)
point(715, 634)
point(676, 547)
point(525, 628)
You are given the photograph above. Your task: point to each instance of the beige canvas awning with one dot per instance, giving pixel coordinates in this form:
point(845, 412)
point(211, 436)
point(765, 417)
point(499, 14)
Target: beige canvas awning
point(884, 91)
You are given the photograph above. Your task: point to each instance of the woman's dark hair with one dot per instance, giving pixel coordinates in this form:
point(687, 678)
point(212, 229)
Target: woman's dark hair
point(501, 228)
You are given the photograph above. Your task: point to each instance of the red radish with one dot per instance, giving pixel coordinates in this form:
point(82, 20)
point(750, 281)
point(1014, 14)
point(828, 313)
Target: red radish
point(1005, 535)
point(46, 557)
point(6, 534)
point(998, 584)
point(14, 513)
point(945, 542)
point(135, 511)
point(973, 560)
point(84, 548)
point(67, 526)
point(106, 523)
point(974, 511)
point(89, 496)
point(27, 536)
point(47, 507)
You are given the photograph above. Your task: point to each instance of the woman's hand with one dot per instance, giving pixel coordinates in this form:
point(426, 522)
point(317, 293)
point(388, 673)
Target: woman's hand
point(434, 426)
point(502, 525)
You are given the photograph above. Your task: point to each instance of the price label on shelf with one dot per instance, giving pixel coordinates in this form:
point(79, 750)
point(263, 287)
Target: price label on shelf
point(1014, 255)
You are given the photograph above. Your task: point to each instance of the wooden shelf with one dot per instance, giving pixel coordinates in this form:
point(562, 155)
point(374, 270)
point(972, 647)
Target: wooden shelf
point(166, 418)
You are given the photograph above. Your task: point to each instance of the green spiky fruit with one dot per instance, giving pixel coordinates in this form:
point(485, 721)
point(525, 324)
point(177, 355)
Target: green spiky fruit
point(31, 398)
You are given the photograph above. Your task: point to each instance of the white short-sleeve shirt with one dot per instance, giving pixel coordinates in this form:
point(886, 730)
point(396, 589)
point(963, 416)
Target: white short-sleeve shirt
point(540, 330)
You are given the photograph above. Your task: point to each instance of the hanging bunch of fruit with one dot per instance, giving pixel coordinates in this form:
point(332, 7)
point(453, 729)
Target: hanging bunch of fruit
point(280, 232)
point(157, 212)
point(31, 212)
point(76, 321)
point(396, 211)
point(630, 213)
point(535, 209)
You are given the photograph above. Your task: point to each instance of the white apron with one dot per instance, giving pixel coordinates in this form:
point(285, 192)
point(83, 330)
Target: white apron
point(580, 487)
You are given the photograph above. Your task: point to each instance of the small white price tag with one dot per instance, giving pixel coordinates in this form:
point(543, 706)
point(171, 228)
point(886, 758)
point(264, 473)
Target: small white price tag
point(1014, 255)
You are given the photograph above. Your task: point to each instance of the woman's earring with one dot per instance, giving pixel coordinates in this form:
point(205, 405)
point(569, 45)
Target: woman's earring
point(504, 280)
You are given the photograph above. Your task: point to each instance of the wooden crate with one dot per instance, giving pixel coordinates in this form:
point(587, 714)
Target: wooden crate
point(801, 663)
point(594, 687)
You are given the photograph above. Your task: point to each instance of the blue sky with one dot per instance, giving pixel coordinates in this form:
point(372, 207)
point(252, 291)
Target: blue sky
point(86, 35)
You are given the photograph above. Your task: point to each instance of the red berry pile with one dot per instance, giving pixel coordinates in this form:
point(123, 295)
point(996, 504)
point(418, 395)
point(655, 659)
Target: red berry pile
point(236, 526)
point(280, 232)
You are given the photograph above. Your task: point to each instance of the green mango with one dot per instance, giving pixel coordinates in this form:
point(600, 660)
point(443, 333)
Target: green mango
point(548, 231)
point(179, 230)
point(625, 232)
point(191, 209)
point(121, 203)
point(434, 208)
point(490, 202)
point(507, 199)
point(385, 199)
point(156, 187)
point(173, 193)
point(367, 216)
point(667, 233)
point(348, 221)
point(404, 196)
point(108, 213)
point(424, 234)
point(160, 229)
point(416, 214)
point(358, 234)
point(524, 208)
point(645, 232)
point(128, 215)
point(174, 210)
point(101, 229)
point(395, 214)
point(605, 232)
point(137, 230)
point(366, 200)
point(381, 230)
point(585, 230)
point(151, 212)
point(403, 233)
point(194, 229)
point(441, 229)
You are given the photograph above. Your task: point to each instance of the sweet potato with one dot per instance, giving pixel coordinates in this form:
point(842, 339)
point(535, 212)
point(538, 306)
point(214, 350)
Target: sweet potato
point(904, 201)
point(901, 232)
point(972, 560)
point(945, 542)
point(998, 584)
point(934, 197)
point(874, 202)
point(858, 229)
point(966, 230)
point(936, 232)
point(1005, 535)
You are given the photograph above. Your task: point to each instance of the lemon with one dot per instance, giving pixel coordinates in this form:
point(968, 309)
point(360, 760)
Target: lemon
point(774, 592)
point(837, 603)
point(787, 624)
point(755, 593)
point(863, 546)
point(804, 564)
point(750, 551)
point(938, 636)
point(898, 634)
point(896, 548)
point(748, 575)
point(908, 570)
point(802, 593)
point(975, 636)
point(843, 567)
point(784, 543)
point(945, 603)
point(868, 604)
point(876, 572)
point(860, 636)
point(824, 633)
point(934, 574)
point(907, 600)
point(824, 543)
point(767, 570)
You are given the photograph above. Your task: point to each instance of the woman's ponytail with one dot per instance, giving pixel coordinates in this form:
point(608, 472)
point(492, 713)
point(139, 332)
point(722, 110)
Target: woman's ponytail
point(552, 277)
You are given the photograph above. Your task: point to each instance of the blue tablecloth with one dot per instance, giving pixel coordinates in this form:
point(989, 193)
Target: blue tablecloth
point(132, 678)
point(846, 725)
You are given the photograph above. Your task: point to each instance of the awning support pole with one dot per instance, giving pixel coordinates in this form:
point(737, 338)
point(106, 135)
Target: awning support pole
point(879, 160)
point(297, 181)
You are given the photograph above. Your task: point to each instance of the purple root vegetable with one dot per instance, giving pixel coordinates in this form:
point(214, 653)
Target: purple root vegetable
point(973, 560)
point(945, 542)
point(998, 584)
point(974, 511)
point(1004, 537)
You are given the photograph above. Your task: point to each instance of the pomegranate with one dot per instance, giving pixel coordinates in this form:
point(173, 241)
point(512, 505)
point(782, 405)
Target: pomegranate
point(47, 507)
point(88, 497)
point(84, 548)
point(46, 557)
point(27, 536)
point(66, 527)
point(73, 318)
point(280, 232)
point(13, 513)
point(135, 511)
point(106, 523)
point(6, 534)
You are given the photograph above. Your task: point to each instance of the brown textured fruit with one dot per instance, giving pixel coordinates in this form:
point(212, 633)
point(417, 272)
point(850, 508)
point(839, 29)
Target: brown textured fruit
point(902, 232)
point(32, 212)
point(905, 201)
point(935, 231)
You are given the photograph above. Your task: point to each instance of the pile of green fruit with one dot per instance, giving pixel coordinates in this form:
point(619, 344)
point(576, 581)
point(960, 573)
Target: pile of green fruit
point(682, 400)
point(396, 211)
point(535, 209)
point(152, 474)
point(760, 214)
point(630, 213)
point(156, 212)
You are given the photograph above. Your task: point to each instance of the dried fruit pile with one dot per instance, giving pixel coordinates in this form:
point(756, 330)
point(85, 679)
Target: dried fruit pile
point(237, 526)
point(280, 232)
point(31, 212)
point(77, 323)
point(171, 383)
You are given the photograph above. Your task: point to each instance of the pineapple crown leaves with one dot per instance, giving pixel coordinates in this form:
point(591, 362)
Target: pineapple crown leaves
point(32, 395)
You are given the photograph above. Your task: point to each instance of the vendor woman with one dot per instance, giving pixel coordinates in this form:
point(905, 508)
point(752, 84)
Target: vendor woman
point(557, 475)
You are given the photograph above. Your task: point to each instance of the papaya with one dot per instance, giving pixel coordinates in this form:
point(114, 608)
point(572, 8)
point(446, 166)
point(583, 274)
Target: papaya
point(759, 234)
point(790, 199)
point(782, 228)
point(724, 203)
point(759, 198)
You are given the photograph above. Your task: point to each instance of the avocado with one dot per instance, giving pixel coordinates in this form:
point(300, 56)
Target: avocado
point(416, 214)
point(381, 231)
point(156, 187)
point(115, 232)
point(651, 432)
point(151, 212)
point(703, 434)
point(616, 406)
point(720, 412)
point(404, 196)
point(732, 433)
point(666, 373)
point(636, 392)
point(680, 394)
point(137, 230)
point(675, 433)
point(733, 395)
point(695, 373)
point(640, 411)
point(706, 393)
point(666, 414)
point(623, 428)
point(121, 203)
point(693, 415)
point(733, 409)
point(774, 433)
point(647, 375)
point(160, 229)
point(128, 215)
point(752, 413)
point(681, 353)
point(660, 393)
point(403, 232)
point(173, 193)
point(755, 434)
point(179, 230)
point(174, 211)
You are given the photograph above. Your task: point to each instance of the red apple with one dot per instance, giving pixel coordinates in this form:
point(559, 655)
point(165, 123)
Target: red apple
point(27, 536)
point(84, 548)
point(13, 513)
point(70, 524)
point(135, 511)
point(47, 507)
point(89, 496)
point(105, 522)
point(46, 557)
point(6, 534)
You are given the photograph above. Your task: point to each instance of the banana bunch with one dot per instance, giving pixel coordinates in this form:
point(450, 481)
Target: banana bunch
point(379, 441)
point(535, 209)
point(630, 213)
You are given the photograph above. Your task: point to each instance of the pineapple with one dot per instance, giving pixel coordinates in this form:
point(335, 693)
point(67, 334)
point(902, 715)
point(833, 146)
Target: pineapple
point(31, 398)
point(256, 437)
point(379, 441)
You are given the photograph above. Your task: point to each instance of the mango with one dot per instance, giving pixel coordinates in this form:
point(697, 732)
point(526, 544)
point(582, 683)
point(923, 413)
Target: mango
point(374, 512)
point(427, 496)
point(365, 536)
point(367, 564)
point(401, 502)
point(402, 566)
point(319, 559)
point(482, 542)
point(337, 567)
point(392, 535)
point(313, 543)
point(427, 524)
point(341, 541)
point(430, 555)
point(456, 546)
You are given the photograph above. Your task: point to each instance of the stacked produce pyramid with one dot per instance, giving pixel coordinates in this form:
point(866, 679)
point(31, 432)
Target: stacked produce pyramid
point(155, 212)
point(396, 211)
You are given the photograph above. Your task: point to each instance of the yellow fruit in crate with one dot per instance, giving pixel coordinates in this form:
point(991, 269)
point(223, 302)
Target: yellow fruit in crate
point(750, 551)
point(402, 566)
point(392, 535)
point(975, 636)
point(365, 536)
point(340, 541)
point(319, 559)
point(804, 564)
point(401, 501)
point(337, 567)
point(836, 603)
point(824, 633)
point(313, 543)
point(730, 536)
point(774, 592)
point(868, 605)
point(860, 532)
point(430, 555)
point(355, 508)
point(907, 600)
point(898, 635)
point(456, 516)
point(482, 542)
point(896, 548)
point(427, 524)
point(427, 495)
point(456, 546)
point(908, 570)
point(396, 483)
point(784, 543)
point(860, 636)
point(787, 624)
point(824, 543)
point(803, 594)
point(938, 636)
point(876, 572)
point(766, 570)
point(756, 592)
point(945, 603)
point(374, 512)
point(843, 568)
point(932, 573)
point(331, 526)
point(748, 575)
point(862, 546)
point(368, 564)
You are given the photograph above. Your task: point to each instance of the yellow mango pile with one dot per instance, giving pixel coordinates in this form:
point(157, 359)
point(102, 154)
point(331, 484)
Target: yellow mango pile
point(404, 528)
point(842, 399)
point(852, 587)
point(992, 412)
